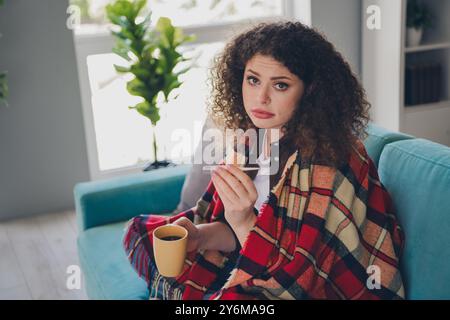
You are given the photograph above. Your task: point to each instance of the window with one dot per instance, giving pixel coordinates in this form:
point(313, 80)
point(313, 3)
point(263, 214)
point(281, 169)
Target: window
point(120, 140)
point(187, 12)
point(124, 137)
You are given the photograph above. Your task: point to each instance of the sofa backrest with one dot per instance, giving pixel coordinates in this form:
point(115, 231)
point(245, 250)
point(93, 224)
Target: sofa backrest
point(417, 175)
point(378, 138)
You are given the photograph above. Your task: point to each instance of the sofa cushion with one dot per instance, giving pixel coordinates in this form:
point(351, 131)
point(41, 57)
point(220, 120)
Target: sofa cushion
point(378, 138)
point(108, 273)
point(417, 175)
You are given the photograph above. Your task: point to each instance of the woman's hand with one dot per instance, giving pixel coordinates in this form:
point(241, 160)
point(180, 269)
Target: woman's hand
point(238, 194)
point(208, 236)
point(194, 234)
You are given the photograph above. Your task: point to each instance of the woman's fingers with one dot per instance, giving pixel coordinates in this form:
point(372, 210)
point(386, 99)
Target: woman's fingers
point(232, 191)
point(241, 176)
point(225, 192)
point(193, 233)
point(234, 183)
point(190, 227)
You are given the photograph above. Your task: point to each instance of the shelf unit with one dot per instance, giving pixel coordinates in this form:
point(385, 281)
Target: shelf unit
point(384, 57)
point(428, 47)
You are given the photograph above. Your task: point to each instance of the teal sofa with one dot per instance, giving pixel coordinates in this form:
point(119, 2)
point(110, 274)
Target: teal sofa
point(416, 173)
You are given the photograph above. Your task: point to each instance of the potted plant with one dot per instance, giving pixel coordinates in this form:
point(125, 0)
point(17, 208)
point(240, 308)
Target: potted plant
point(151, 57)
point(3, 83)
point(418, 18)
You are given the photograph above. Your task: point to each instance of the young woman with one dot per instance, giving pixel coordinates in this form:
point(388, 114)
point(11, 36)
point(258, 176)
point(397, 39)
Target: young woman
point(320, 227)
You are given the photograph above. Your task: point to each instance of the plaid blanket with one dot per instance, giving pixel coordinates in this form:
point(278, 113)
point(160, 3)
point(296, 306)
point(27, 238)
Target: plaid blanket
point(323, 233)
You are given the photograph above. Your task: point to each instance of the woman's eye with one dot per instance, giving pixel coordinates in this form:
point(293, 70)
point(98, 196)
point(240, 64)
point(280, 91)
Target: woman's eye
point(250, 79)
point(283, 85)
point(280, 85)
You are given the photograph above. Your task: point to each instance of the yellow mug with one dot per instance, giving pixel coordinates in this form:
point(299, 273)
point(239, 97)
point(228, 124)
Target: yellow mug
point(169, 249)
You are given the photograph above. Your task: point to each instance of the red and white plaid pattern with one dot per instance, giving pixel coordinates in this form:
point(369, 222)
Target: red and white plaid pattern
point(316, 238)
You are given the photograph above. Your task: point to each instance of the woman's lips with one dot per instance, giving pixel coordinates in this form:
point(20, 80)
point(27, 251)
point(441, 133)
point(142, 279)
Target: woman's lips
point(261, 114)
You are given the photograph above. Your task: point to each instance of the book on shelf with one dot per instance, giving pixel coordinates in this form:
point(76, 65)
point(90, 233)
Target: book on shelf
point(408, 86)
point(423, 82)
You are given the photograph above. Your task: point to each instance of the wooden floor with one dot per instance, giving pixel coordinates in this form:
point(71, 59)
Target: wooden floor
point(34, 255)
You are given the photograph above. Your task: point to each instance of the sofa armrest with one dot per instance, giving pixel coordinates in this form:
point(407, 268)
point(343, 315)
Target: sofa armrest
point(117, 199)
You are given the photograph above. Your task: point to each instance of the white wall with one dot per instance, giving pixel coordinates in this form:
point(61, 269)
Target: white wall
point(340, 22)
point(43, 149)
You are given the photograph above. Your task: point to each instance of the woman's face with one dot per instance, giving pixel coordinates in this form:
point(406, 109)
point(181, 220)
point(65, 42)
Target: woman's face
point(270, 92)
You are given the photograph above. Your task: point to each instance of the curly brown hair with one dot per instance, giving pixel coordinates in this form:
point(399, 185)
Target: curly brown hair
point(333, 111)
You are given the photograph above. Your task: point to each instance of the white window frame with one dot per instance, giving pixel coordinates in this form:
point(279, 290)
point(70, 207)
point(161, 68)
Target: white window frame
point(102, 43)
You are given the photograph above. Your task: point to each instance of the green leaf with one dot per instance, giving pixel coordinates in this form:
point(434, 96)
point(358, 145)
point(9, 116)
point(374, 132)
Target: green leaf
point(154, 116)
point(189, 38)
point(163, 24)
point(167, 31)
point(143, 107)
point(111, 15)
point(142, 28)
point(147, 51)
point(140, 73)
point(147, 20)
point(122, 53)
point(125, 9)
point(172, 85)
point(125, 33)
point(119, 35)
point(137, 88)
point(178, 36)
point(121, 69)
point(138, 5)
point(149, 111)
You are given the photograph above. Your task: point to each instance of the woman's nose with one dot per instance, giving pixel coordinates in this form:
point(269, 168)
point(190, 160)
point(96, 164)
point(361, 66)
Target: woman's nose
point(263, 95)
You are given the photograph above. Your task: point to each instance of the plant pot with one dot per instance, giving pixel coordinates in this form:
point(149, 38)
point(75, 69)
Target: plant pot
point(413, 37)
point(159, 164)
